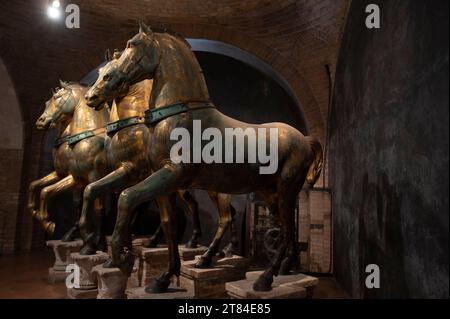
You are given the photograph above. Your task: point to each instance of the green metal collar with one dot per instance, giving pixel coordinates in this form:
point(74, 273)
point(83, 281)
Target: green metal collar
point(60, 141)
point(114, 127)
point(161, 113)
point(74, 139)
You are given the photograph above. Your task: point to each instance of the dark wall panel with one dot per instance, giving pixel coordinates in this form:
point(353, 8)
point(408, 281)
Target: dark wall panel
point(389, 150)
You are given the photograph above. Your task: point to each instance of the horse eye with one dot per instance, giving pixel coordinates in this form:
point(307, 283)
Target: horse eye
point(106, 77)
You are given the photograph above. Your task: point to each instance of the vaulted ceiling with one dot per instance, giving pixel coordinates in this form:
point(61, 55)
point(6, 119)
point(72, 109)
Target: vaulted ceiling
point(297, 38)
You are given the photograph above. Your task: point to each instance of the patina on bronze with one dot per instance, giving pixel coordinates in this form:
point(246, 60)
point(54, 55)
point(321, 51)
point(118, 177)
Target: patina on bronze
point(78, 164)
point(129, 161)
point(177, 77)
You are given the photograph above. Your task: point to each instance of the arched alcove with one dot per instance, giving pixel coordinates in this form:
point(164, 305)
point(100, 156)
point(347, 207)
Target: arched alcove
point(11, 152)
point(246, 88)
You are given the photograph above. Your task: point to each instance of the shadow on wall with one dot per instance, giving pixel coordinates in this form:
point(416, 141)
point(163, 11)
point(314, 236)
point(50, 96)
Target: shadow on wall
point(389, 151)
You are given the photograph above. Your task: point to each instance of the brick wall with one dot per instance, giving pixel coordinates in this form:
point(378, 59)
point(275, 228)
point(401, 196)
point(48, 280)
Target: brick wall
point(297, 38)
point(10, 161)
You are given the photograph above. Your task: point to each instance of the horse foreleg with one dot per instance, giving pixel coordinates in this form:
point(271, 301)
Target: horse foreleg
point(74, 232)
point(48, 192)
point(169, 225)
point(160, 183)
point(190, 206)
point(223, 205)
point(89, 221)
point(233, 247)
point(37, 184)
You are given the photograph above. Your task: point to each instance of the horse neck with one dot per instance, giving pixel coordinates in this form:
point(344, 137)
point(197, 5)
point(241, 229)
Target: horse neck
point(64, 128)
point(135, 103)
point(84, 117)
point(178, 77)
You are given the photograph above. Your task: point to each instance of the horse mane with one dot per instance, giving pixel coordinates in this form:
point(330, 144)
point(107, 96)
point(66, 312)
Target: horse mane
point(172, 33)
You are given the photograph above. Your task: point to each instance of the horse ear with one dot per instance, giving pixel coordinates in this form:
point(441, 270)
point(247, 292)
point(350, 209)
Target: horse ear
point(108, 55)
point(143, 28)
point(62, 84)
point(116, 54)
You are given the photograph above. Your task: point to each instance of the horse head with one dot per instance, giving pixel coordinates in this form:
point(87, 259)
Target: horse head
point(139, 59)
point(59, 108)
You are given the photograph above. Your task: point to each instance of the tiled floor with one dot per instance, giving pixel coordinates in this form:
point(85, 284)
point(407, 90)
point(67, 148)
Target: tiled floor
point(25, 276)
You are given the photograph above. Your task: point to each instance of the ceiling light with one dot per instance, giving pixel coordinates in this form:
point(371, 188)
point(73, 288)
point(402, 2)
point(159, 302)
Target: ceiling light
point(53, 10)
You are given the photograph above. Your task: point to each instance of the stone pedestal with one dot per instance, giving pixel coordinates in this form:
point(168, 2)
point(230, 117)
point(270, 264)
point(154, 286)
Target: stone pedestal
point(62, 251)
point(172, 293)
point(210, 282)
point(87, 288)
point(152, 262)
point(137, 244)
point(296, 286)
point(111, 282)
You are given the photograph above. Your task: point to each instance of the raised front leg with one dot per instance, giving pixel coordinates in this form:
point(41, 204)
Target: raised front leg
point(160, 183)
point(35, 186)
point(225, 217)
point(48, 192)
point(89, 220)
point(190, 207)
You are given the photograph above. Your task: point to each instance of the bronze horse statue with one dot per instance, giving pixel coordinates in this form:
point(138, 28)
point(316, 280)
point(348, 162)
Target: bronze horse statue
point(76, 162)
point(61, 156)
point(125, 147)
point(68, 105)
point(179, 98)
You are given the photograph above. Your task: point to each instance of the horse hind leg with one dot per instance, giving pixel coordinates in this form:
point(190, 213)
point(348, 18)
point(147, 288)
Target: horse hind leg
point(289, 185)
point(233, 247)
point(155, 238)
point(190, 206)
point(223, 205)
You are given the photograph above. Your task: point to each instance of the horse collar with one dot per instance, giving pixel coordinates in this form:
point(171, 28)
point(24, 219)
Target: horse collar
point(60, 141)
point(114, 127)
point(156, 115)
point(74, 139)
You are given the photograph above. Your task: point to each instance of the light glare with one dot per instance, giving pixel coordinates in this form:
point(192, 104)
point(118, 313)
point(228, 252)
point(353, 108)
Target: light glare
point(53, 12)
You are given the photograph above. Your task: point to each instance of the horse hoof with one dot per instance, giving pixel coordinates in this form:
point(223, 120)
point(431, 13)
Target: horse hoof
point(49, 227)
point(203, 262)
point(157, 286)
point(88, 250)
point(35, 214)
point(109, 264)
point(230, 251)
point(221, 254)
point(263, 283)
point(285, 268)
point(102, 245)
point(126, 264)
point(71, 235)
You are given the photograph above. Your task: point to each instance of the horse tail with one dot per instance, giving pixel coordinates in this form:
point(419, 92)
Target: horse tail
point(315, 168)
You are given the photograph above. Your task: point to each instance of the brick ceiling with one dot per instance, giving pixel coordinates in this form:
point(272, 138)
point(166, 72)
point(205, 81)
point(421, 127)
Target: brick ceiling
point(297, 38)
